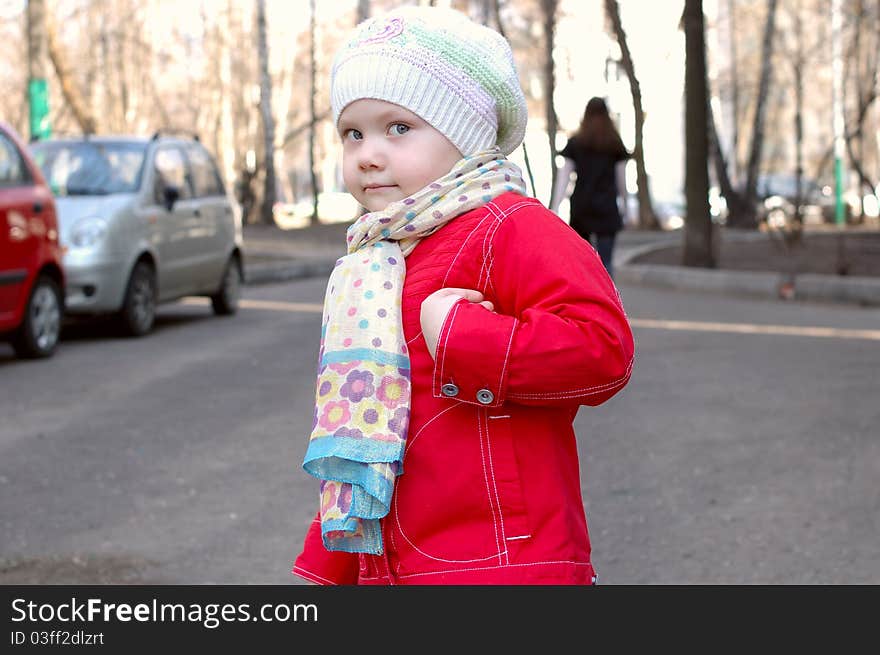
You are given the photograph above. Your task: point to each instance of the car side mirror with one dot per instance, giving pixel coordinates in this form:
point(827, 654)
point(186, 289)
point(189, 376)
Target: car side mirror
point(170, 195)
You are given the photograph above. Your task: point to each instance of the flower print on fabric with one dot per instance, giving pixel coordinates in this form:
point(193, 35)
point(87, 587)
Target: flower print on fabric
point(351, 433)
point(367, 415)
point(400, 421)
point(327, 388)
point(357, 385)
point(335, 413)
point(392, 391)
point(343, 367)
point(329, 493)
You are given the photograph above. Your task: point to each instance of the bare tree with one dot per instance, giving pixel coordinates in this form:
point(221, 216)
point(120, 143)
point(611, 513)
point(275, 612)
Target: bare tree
point(742, 203)
point(549, 15)
point(363, 11)
point(647, 218)
point(72, 94)
point(496, 15)
point(794, 48)
point(867, 86)
point(734, 81)
point(268, 121)
point(749, 220)
point(698, 241)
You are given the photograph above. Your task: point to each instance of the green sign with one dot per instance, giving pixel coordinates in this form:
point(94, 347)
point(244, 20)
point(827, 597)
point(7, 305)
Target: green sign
point(839, 209)
point(38, 100)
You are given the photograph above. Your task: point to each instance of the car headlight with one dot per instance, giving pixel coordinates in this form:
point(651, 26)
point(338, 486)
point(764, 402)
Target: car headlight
point(88, 233)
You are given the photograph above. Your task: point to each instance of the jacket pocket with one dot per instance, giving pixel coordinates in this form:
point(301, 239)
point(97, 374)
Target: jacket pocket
point(497, 432)
point(446, 503)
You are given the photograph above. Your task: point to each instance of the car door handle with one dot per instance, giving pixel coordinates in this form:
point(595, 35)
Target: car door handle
point(197, 212)
point(38, 207)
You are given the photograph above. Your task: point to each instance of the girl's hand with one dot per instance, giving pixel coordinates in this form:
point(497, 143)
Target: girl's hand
point(436, 306)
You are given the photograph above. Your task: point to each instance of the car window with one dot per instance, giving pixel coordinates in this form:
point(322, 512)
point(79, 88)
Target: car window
point(13, 172)
point(171, 170)
point(87, 168)
point(206, 180)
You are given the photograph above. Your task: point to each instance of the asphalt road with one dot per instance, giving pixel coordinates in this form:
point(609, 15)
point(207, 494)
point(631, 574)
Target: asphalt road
point(744, 450)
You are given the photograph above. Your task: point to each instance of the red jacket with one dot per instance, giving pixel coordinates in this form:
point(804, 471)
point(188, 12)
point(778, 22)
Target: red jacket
point(490, 492)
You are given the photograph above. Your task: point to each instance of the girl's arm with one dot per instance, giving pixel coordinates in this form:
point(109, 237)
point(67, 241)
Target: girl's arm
point(620, 175)
point(559, 334)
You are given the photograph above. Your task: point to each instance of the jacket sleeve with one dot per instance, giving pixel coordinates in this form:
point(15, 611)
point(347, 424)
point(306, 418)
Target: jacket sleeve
point(559, 334)
point(321, 566)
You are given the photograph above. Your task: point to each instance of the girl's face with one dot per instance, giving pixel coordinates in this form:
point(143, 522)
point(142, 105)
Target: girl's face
point(389, 153)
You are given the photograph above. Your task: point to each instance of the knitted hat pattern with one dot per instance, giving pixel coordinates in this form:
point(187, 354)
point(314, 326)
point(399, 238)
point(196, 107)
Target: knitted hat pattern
point(455, 74)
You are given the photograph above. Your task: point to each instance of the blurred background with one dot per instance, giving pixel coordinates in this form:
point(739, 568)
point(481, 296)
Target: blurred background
point(250, 77)
point(743, 450)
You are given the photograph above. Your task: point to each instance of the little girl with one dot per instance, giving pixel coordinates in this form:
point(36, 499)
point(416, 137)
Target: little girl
point(461, 332)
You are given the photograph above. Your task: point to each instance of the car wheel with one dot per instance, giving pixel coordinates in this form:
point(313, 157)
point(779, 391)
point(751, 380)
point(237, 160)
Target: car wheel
point(139, 307)
point(225, 301)
point(38, 334)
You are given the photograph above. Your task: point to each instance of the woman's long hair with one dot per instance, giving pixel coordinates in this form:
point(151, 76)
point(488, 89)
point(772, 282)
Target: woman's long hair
point(597, 131)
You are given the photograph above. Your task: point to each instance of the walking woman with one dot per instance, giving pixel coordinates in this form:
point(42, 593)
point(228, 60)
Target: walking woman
point(596, 154)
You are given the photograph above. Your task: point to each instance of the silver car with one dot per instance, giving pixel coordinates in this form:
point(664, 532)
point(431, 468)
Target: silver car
point(142, 221)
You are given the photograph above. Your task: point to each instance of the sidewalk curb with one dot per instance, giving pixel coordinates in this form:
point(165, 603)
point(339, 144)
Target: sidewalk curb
point(864, 291)
point(286, 270)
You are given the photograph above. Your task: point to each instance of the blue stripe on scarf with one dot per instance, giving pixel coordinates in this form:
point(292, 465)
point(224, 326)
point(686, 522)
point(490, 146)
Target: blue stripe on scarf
point(357, 450)
point(365, 355)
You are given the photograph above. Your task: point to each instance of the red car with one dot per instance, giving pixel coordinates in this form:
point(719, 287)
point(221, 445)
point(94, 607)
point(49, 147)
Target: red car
point(31, 273)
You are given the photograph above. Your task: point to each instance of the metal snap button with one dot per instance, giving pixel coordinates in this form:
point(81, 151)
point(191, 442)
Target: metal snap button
point(485, 397)
point(449, 390)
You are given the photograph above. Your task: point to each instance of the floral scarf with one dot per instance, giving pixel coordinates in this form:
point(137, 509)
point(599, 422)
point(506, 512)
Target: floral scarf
point(363, 390)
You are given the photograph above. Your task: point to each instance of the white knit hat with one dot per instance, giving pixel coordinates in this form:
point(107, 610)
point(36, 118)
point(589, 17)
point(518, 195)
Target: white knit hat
point(457, 75)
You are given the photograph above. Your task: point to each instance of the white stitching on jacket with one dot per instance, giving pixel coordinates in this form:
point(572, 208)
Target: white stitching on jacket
point(507, 354)
point(480, 414)
point(312, 576)
point(397, 513)
point(488, 568)
point(463, 244)
point(586, 391)
point(410, 442)
point(443, 361)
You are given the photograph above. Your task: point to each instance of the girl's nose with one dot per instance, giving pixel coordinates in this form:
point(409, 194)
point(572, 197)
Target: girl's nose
point(370, 155)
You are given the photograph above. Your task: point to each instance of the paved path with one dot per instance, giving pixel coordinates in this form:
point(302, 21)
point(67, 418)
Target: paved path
point(744, 449)
point(275, 255)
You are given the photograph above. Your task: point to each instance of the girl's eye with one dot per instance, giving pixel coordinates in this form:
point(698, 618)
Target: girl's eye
point(352, 134)
point(399, 129)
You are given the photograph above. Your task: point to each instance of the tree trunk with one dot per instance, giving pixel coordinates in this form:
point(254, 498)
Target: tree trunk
point(734, 84)
point(363, 11)
point(268, 199)
point(744, 214)
point(647, 217)
point(496, 14)
point(549, 11)
point(122, 75)
point(799, 118)
point(698, 242)
point(69, 89)
point(312, 116)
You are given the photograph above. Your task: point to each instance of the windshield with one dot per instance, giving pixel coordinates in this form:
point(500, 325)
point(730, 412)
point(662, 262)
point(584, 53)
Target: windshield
point(85, 168)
